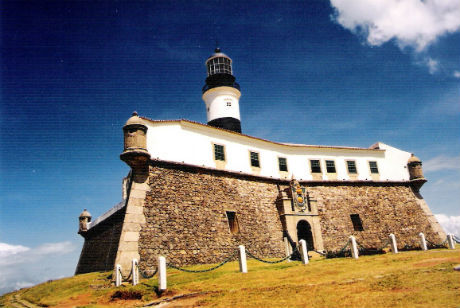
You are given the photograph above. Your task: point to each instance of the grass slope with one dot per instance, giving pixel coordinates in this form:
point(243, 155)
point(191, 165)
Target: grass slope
point(407, 279)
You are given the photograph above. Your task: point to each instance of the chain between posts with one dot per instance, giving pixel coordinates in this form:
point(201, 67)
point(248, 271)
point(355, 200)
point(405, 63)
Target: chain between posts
point(148, 276)
point(443, 244)
point(206, 270)
point(125, 278)
point(332, 254)
point(272, 262)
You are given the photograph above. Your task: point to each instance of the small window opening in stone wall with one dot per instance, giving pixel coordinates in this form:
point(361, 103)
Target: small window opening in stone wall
point(233, 222)
point(357, 223)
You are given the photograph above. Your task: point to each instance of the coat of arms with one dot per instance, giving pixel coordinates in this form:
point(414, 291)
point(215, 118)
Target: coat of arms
point(298, 195)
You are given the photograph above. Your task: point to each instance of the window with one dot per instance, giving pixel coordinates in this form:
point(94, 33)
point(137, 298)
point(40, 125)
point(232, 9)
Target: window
point(255, 159)
point(233, 222)
point(315, 166)
point(351, 164)
point(357, 223)
point(330, 166)
point(219, 65)
point(373, 167)
point(229, 104)
point(219, 153)
point(282, 164)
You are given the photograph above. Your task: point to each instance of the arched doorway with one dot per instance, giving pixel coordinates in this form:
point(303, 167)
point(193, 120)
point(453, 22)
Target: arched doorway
point(304, 233)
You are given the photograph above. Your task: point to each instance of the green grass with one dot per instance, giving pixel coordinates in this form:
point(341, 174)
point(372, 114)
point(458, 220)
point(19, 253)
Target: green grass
point(407, 279)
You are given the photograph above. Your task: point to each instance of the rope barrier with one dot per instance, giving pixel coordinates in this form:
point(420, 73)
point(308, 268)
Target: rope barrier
point(206, 270)
point(272, 262)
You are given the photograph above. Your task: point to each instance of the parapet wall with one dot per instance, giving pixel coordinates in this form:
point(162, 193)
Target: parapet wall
point(101, 245)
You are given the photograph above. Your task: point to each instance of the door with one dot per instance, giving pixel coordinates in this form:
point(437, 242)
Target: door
point(304, 233)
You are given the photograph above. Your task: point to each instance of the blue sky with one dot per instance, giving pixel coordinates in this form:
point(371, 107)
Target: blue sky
point(317, 72)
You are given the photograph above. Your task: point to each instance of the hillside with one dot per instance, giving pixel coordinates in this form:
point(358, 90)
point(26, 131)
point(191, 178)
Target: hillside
point(408, 279)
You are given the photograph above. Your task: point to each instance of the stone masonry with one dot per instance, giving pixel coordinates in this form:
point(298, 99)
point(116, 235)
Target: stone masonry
point(186, 220)
point(180, 211)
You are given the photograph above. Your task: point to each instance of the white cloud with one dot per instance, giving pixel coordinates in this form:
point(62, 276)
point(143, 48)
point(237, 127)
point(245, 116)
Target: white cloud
point(411, 23)
point(451, 224)
point(7, 250)
point(442, 162)
point(22, 266)
point(456, 74)
point(433, 65)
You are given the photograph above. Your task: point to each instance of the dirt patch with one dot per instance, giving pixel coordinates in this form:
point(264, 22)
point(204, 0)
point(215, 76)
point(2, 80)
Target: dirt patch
point(75, 301)
point(434, 261)
point(126, 295)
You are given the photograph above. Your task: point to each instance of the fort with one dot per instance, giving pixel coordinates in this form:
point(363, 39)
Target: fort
point(197, 191)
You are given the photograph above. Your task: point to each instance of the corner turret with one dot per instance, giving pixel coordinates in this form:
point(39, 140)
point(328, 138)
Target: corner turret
point(414, 164)
point(135, 152)
point(221, 93)
point(83, 220)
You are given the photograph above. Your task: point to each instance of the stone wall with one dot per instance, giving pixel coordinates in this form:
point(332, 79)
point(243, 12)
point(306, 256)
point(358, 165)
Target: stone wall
point(182, 215)
point(101, 245)
point(383, 209)
point(186, 220)
point(185, 212)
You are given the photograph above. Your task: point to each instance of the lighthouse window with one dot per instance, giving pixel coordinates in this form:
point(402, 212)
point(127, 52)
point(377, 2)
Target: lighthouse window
point(351, 164)
point(219, 153)
point(357, 223)
point(229, 104)
point(373, 167)
point(282, 164)
point(330, 166)
point(315, 166)
point(255, 159)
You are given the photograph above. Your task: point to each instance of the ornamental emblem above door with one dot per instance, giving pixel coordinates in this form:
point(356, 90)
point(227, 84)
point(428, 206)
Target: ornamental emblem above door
point(298, 195)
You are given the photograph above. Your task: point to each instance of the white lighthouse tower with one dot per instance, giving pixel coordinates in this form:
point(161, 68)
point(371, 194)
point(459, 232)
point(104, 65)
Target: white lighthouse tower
point(221, 93)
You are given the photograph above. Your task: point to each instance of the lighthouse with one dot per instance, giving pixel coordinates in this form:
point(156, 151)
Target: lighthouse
point(221, 93)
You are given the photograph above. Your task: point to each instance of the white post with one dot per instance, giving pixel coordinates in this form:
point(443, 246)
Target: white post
point(287, 247)
point(118, 278)
point(354, 248)
point(135, 272)
point(242, 257)
point(303, 251)
point(161, 273)
point(422, 241)
point(394, 246)
point(450, 241)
